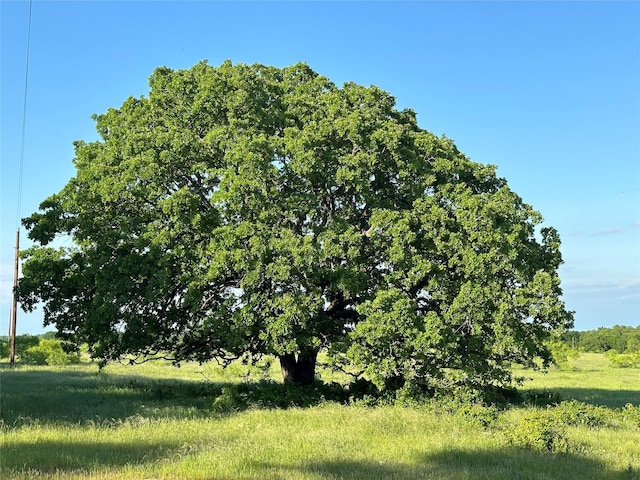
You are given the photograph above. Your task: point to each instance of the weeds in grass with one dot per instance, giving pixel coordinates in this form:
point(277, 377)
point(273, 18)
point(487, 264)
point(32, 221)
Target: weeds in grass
point(541, 398)
point(539, 431)
point(577, 413)
point(630, 414)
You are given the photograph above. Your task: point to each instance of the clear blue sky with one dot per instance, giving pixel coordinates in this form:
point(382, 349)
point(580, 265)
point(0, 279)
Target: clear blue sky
point(548, 91)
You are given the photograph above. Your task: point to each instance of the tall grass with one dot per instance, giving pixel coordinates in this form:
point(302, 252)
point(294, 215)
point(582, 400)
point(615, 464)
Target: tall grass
point(158, 422)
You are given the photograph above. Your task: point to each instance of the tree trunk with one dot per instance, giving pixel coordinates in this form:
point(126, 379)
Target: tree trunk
point(288, 367)
point(301, 370)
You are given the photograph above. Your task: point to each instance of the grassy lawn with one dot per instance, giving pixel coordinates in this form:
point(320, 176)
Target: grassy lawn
point(154, 421)
point(590, 378)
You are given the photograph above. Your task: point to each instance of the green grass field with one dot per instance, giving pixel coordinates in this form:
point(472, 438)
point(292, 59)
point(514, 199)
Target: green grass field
point(154, 421)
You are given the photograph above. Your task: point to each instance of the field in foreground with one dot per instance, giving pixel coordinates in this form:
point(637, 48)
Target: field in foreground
point(156, 422)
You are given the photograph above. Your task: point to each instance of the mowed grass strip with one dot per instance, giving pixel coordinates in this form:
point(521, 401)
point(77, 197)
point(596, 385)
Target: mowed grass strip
point(156, 423)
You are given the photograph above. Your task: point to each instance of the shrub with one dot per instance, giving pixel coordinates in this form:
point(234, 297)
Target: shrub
point(561, 353)
point(478, 415)
point(34, 356)
point(540, 431)
point(228, 401)
point(468, 405)
point(48, 352)
point(630, 414)
point(624, 360)
point(577, 413)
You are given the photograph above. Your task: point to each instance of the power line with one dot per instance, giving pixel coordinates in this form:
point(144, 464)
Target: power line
point(24, 122)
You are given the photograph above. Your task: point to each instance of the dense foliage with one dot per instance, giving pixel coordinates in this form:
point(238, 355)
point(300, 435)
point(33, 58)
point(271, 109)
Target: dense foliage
point(49, 352)
point(39, 350)
point(23, 343)
point(249, 210)
point(622, 339)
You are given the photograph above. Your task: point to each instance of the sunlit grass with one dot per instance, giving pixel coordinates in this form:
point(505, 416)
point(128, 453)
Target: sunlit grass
point(156, 422)
point(589, 378)
point(384, 442)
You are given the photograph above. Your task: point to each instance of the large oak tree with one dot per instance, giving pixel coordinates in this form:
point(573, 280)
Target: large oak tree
point(257, 210)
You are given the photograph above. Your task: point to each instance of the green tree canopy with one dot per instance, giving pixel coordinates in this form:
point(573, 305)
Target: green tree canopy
point(259, 210)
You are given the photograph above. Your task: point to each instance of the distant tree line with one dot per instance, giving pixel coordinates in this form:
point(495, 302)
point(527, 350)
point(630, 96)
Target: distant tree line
point(620, 338)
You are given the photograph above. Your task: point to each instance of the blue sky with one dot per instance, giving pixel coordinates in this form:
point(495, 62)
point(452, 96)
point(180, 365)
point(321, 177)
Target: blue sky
point(548, 91)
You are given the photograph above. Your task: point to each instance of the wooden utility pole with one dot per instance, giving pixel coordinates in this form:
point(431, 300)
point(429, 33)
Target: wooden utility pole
point(14, 306)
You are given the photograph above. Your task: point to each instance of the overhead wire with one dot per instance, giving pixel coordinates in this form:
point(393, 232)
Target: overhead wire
point(24, 122)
